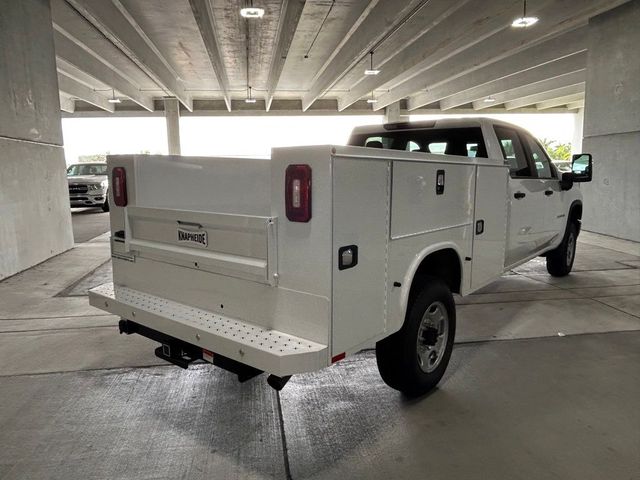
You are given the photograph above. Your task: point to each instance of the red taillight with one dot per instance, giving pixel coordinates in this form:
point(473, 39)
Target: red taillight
point(119, 186)
point(298, 193)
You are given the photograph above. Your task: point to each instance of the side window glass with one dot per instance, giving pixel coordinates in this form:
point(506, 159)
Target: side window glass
point(438, 147)
point(412, 146)
point(472, 149)
point(539, 159)
point(513, 152)
point(374, 142)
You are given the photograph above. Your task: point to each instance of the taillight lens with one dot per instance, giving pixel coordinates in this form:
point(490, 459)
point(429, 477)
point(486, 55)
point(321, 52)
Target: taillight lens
point(119, 186)
point(298, 193)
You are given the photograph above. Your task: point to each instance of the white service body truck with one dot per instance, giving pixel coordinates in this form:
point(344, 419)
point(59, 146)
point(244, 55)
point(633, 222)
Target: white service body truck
point(288, 265)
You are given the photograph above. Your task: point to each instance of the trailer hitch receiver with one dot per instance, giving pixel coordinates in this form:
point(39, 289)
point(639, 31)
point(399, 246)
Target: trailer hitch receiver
point(277, 383)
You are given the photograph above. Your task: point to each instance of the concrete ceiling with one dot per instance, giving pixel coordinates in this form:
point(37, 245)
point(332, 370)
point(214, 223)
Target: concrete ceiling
point(309, 56)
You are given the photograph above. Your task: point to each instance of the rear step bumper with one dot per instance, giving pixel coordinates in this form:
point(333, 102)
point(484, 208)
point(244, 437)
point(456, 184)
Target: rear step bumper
point(268, 350)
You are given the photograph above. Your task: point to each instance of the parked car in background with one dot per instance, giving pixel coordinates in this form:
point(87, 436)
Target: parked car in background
point(88, 185)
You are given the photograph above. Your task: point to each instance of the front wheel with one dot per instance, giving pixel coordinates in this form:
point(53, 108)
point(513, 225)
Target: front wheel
point(560, 260)
point(105, 206)
point(414, 359)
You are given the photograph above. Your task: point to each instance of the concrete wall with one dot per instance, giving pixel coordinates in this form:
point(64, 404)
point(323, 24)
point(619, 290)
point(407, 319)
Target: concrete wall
point(612, 123)
point(35, 220)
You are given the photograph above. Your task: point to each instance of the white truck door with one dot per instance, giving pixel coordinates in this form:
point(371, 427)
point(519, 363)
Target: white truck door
point(525, 198)
point(552, 204)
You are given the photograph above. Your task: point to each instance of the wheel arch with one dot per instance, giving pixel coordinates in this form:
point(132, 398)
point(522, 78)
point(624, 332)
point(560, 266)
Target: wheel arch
point(575, 215)
point(443, 260)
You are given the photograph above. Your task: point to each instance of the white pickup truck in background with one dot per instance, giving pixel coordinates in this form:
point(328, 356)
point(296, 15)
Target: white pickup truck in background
point(288, 265)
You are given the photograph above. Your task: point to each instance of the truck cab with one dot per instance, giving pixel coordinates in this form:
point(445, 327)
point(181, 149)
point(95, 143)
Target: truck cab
point(290, 264)
point(539, 204)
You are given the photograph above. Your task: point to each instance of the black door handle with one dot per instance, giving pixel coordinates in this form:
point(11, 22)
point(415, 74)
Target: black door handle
point(548, 192)
point(519, 195)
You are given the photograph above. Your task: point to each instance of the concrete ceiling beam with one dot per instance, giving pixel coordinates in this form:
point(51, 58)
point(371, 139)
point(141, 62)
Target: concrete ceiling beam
point(376, 22)
point(287, 26)
point(445, 38)
point(443, 83)
point(560, 101)
point(80, 91)
point(565, 65)
point(112, 19)
point(71, 51)
point(67, 104)
point(536, 88)
point(203, 14)
point(482, 20)
point(575, 105)
point(548, 95)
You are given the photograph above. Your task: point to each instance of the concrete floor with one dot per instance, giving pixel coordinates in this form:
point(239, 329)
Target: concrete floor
point(543, 383)
point(88, 223)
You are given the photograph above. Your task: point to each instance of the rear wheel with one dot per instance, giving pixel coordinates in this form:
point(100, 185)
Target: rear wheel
point(414, 359)
point(560, 260)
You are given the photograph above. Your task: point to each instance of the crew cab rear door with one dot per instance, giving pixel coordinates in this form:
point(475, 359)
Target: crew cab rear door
point(525, 201)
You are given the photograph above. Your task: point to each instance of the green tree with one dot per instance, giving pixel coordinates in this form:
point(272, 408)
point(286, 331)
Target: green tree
point(557, 151)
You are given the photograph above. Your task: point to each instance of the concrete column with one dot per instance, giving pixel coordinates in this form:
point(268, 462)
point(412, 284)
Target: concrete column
point(172, 116)
point(35, 218)
point(392, 113)
point(612, 123)
point(578, 130)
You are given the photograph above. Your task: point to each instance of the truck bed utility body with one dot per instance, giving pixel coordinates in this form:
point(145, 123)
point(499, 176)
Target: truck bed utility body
point(287, 265)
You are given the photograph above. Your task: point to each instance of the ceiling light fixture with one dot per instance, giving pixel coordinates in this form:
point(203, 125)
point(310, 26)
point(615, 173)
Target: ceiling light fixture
point(524, 21)
point(249, 98)
point(249, 11)
point(372, 99)
point(489, 100)
point(113, 98)
point(371, 70)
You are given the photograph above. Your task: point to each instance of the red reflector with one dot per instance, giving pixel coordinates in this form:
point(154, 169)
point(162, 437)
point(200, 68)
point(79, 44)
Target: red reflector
point(119, 186)
point(297, 185)
point(207, 356)
point(338, 357)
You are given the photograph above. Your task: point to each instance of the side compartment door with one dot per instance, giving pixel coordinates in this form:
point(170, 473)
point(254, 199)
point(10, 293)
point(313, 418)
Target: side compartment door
point(361, 212)
point(490, 225)
point(524, 216)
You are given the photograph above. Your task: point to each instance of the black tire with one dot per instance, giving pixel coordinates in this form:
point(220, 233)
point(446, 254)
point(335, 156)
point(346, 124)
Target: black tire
point(560, 260)
point(399, 362)
point(105, 206)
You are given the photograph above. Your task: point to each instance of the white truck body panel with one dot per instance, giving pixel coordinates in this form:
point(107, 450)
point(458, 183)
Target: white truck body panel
point(259, 272)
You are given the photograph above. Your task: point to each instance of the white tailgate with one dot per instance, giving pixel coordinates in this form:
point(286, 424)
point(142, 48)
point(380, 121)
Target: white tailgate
point(242, 246)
